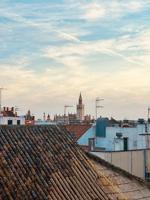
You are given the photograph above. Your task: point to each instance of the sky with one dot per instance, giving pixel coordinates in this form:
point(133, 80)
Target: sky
point(52, 50)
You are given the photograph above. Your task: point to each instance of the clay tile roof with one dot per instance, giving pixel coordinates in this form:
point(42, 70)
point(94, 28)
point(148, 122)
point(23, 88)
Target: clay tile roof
point(78, 130)
point(43, 163)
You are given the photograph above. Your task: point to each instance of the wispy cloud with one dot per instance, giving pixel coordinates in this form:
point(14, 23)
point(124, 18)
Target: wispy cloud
point(50, 51)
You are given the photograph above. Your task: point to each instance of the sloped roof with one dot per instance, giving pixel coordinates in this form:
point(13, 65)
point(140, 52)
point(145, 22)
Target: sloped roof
point(43, 163)
point(132, 187)
point(78, 129)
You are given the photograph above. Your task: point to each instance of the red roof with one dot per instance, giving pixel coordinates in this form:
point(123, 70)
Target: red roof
point(77, 129)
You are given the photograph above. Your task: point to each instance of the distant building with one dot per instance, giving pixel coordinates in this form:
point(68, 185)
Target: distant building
point(45, 121)
point(9, 116)
point(74, 118)
point(112, 135)
point(61, 119)
point(87, 119)
point(29, 119)
point(80, 109)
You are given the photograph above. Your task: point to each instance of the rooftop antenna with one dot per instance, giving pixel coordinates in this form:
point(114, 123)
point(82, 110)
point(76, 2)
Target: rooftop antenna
point(1, 89)
point(65, 110)
point(147, 130)
point(97, 106)
point(16, 108)
point(148, 114)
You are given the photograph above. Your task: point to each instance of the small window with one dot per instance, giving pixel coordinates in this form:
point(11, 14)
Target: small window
point(10, 122)
point(18, 122)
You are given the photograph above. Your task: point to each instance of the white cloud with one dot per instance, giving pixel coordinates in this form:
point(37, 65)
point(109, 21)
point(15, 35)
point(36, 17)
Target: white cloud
point(93, 11)
point(118, 47)
point(60, 83)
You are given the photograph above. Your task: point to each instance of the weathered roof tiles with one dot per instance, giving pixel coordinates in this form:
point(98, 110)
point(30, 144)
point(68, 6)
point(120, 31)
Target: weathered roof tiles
point(42, 162)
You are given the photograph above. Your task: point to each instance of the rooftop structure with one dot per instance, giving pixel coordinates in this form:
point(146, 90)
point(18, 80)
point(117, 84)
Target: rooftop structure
point(112, 135)
point(80, 109)
point(42, 162)
point(132, 187)
point(74, 118)
point(29, 119)
point(77, 130)
point(9, 116)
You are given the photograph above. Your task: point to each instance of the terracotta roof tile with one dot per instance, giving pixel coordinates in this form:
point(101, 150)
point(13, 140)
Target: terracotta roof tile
point(43, 163)
point(77, 130)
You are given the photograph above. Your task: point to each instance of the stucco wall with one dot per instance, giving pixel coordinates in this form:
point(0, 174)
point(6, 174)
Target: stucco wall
point(130, 161)
point(135, 140)
point(4, 120)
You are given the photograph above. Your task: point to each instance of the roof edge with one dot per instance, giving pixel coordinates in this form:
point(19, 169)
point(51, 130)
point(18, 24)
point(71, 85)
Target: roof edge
point(117, 169)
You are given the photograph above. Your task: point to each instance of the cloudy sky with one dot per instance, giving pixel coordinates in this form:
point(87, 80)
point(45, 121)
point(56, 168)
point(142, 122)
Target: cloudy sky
point(50, 50)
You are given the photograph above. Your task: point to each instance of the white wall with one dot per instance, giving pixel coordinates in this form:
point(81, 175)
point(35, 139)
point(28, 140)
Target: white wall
point(4, 120)
point(130, 161)
point(135, 140)
point(84, 139)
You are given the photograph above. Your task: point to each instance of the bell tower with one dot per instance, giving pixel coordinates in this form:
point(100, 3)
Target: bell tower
point(80, 109)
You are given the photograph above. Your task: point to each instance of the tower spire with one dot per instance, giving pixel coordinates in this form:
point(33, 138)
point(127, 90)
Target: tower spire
point(80, 99)
point(80, 109)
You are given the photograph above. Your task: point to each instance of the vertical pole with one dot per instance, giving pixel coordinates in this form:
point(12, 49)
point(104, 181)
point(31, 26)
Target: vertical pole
point(148, 117)
point(145, 163)
point(0, 100)
point(97, 106)
point(96, 109)
point(65, 114)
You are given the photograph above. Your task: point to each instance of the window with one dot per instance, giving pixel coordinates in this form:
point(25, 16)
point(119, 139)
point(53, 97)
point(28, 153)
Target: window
point(18, 122)
point(10, 122)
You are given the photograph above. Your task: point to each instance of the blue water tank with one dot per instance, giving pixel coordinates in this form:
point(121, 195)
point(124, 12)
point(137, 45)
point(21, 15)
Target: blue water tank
point(101, 125)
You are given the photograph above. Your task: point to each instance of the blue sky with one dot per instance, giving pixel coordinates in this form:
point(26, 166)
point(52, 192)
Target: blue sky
point(52, 50)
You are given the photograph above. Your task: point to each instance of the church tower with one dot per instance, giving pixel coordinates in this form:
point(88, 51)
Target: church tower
point(80, 109)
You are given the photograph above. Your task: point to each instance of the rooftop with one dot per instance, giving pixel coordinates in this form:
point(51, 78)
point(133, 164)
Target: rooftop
point(44, 163)
point(77, 130)
point(131, 187)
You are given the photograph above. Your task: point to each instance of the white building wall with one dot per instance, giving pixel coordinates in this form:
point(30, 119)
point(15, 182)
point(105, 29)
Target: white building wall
point(4, 120)
point(135, 141)
point(84, 139)
point(109, 143)
point(130, 161)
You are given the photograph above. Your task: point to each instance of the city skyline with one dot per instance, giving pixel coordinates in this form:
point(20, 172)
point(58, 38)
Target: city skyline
point(53, 50)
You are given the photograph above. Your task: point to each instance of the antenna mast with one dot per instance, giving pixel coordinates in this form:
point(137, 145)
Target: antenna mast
point(1, 89)
point(97, 106)
point(65, 109)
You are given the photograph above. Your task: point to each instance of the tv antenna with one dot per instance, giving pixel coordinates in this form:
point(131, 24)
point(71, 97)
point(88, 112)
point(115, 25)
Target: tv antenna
point(1, 89)
point(97, 105)
point(65, 110)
